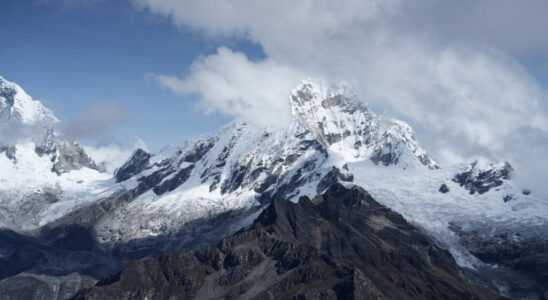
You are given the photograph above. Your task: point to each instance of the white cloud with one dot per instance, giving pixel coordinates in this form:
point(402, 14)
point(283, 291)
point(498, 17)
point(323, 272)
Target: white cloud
point(229, 83)
point(450, 70)
point(14, 131)
point(95, 122)
point(516, 26)
point(111, 156)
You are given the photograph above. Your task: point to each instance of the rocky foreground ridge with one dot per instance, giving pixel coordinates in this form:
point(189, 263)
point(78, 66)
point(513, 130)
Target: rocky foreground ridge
point(340, 245)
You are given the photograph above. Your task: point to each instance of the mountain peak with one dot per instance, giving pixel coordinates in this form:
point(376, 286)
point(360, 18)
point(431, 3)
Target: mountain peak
point(311, 94)
point(342, 123)
point(16, 104)
point(19, 110)
point(326, 110)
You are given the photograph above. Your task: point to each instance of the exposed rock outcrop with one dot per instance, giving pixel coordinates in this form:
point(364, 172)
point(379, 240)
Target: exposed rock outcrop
point(481, 179)
point(133, 166)
point(443, 188)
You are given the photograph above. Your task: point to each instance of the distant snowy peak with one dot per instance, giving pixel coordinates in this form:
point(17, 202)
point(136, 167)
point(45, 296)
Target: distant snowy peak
point(15, 104)
point(37, 125)
point(341, 123)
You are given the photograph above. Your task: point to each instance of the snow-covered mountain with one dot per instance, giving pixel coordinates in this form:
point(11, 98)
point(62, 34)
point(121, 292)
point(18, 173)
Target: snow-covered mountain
point(240, 167)
point(38, 168)
point(341, 123)
point(209, 187)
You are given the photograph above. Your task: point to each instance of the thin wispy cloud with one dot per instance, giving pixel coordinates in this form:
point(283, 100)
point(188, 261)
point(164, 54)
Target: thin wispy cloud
point(95, 122)
point(14, 131)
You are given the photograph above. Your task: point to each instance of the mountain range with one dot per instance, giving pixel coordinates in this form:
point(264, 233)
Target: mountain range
point(68, 227)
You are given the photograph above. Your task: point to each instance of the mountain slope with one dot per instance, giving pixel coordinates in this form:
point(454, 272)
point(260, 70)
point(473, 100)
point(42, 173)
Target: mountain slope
point(342, 244)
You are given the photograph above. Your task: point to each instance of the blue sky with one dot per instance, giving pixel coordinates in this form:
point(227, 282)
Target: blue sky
point(71, 56)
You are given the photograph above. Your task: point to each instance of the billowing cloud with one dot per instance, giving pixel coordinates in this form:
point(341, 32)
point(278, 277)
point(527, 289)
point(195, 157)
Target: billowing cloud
point(95, 122)
point(229, 83)
point(450, 70)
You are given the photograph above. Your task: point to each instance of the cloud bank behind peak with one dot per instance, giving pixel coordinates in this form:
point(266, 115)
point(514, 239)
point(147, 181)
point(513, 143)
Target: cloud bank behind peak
point(450, 71)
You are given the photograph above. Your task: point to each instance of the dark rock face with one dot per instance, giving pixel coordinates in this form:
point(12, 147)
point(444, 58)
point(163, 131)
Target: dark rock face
point(443, 189)
point(333, 177)
point(42, 287)
point(159, 181)
point(524, 262)
point(289, 188)
point(70, 250)
point(481, 181)
point(236, 178)
point(198, 152)
point(175, 181)
point(134, 166)
point(341, 245)
point(7, 92)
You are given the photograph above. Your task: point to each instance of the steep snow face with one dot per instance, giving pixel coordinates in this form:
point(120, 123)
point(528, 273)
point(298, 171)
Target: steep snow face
point(18, 105)
point(341, 123)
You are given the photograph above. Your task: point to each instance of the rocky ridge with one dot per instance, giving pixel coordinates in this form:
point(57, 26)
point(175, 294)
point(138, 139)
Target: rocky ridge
point(340, 245)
